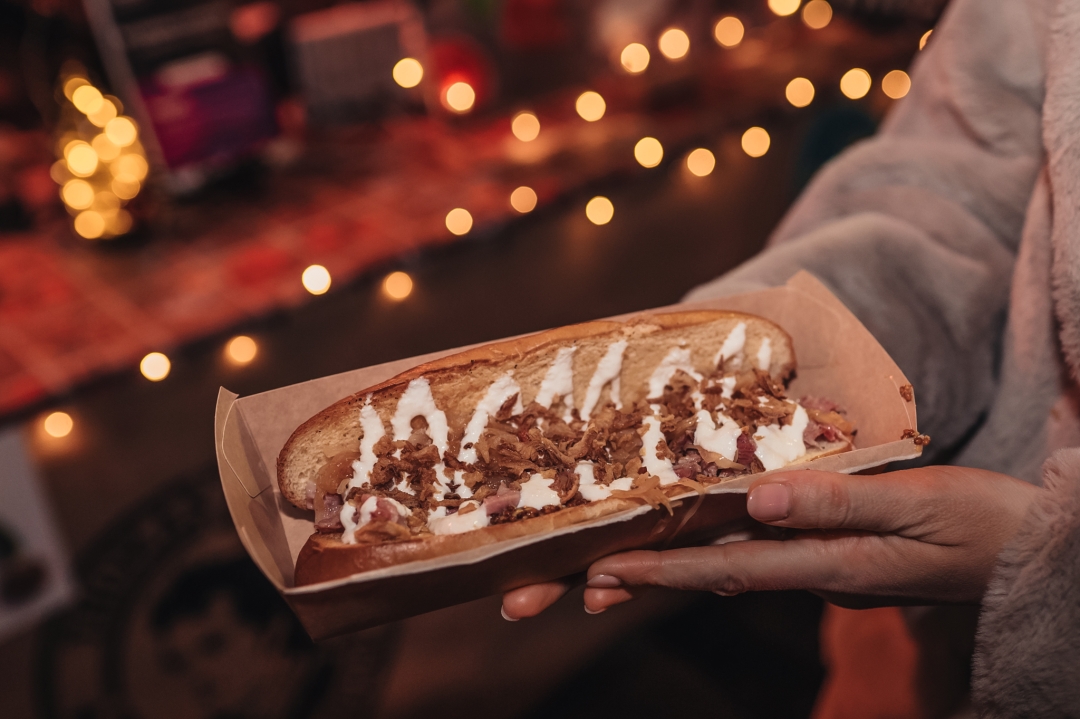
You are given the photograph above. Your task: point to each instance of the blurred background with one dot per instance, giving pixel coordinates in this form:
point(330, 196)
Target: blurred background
point(206, 193)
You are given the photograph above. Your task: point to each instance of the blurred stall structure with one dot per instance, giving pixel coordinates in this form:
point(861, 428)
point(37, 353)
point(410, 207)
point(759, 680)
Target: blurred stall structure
point(319, 187)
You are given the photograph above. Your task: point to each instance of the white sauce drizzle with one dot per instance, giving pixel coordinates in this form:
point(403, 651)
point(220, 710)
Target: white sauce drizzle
point(778, 445)
point(366, 509)
point(732, 346)
point(728, 384)
point(658, 466)
point(559, 381)
point(458, 523)
point(592, 490)
point(677, 359)
point(460, 488)
point(372, 425)
point(417, 401)
point(607, 371)
point(501, 390)
point(764, 354)
point(537, 493)
point(723, 439)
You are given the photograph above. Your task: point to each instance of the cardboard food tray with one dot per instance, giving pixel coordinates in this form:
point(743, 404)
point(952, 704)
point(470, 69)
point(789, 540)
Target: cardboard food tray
point(837, 358)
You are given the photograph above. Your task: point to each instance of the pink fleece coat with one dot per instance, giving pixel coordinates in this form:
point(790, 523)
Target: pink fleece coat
point(954, 234)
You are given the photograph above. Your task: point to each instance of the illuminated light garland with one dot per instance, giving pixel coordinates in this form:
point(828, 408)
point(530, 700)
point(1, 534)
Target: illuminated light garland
point(590, 106)
point(523, 199)
point(316, 279)
point(700, 162)
point(729, 31)
point(599, 210)
point(397, 285)
point(855, 83)
point(408, 72)
point(635, 58)
point(756, 141)
point(674, 43)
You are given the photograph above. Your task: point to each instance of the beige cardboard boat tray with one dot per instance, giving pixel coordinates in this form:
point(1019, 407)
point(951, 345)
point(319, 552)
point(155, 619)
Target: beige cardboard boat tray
point(837, 358)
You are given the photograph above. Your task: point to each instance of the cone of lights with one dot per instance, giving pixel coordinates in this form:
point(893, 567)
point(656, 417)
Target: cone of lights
point(101, 165)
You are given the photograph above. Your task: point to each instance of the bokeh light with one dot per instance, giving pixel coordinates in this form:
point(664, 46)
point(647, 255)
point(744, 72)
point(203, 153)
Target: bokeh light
point(756, 141)
point(729, 31)
point(523, 199)
point(599, 210)
point(72, 84)
point(241, 350)
point(855, 83)
point(119, 222)
point(103, 114)
point(81, 158)
point(799, 92)
point(125, 187)
point(896, 84)
point(459, 97)
point(408, 72)
point(783, 8)
point(459, 221)
point(817, 14)
point(590, 106)
point(634, 58)
point(106, 149)
point(316, 279)
point(77, 194)
point(397, 285)
point(648, 152)
point(700, 162)
point(58, 425)
point(525, 126)
point(132, 165)
point(90, 224)
point(674, 44)
point(121, 131)
point(925, 37)
point(155, 366)
point(87, 99)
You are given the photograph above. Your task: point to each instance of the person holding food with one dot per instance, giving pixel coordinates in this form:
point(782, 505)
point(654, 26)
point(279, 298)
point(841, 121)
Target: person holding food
point(953, 235)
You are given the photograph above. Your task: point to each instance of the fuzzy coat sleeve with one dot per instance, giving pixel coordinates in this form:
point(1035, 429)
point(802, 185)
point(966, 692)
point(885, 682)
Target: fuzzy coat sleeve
point(917, 228)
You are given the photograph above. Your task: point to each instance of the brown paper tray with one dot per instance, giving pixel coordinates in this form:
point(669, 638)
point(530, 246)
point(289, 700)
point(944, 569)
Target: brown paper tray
point(837, 358)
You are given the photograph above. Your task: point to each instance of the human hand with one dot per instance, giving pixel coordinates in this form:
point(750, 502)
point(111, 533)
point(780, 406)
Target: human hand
point(928, 535)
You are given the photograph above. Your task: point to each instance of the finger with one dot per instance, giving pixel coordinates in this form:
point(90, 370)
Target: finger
point(598, 600)
point(531, 600)
point(808, 499)
point(820, 562)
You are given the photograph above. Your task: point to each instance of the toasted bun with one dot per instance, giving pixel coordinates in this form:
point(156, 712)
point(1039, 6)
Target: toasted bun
point(458, 381)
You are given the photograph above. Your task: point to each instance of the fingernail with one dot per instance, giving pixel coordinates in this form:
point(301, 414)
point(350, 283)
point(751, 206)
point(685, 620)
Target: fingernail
point(598, 611)
point(604, 581)
point(769, 502)
point(507, 617)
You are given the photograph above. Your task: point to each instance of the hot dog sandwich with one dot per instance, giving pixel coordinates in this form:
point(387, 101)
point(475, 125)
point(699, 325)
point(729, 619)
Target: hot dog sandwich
point(527, 435)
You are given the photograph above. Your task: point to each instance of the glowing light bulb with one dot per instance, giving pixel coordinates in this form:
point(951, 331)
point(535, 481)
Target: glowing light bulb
point(90, 224)
point(397, 285)
point(783, 8)
point(130, 165)
point(87, 99)
point(700, 162)
point(523, 199)
point(590, 106)
point(106, 149)
point(648, 152)
point(77, 194)
point(58, 425)
point(674, 44)
point(756, 141)
point(896, 84)
point(525, 126)
point(599, 210)
point(155, 366)
point(817, 14)
point(103, 114)
point(81, 158)
point(316, 279)
point(924, 38)
point(459, 97)
point(799, 92)
point(855, 83)
point(634, 58)
point(408, 72)
point(729, 31)
point(121, 131)
point(241, 350)
point(73, 84)
point(125, 187)
point(459, 221)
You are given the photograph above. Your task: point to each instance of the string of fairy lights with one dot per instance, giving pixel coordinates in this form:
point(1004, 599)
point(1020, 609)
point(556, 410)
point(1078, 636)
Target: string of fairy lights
point(102, 165)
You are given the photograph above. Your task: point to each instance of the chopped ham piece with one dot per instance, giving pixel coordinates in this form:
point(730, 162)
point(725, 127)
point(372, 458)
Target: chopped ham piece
point(504, 499)
point(328, 516)
point(746, 446)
